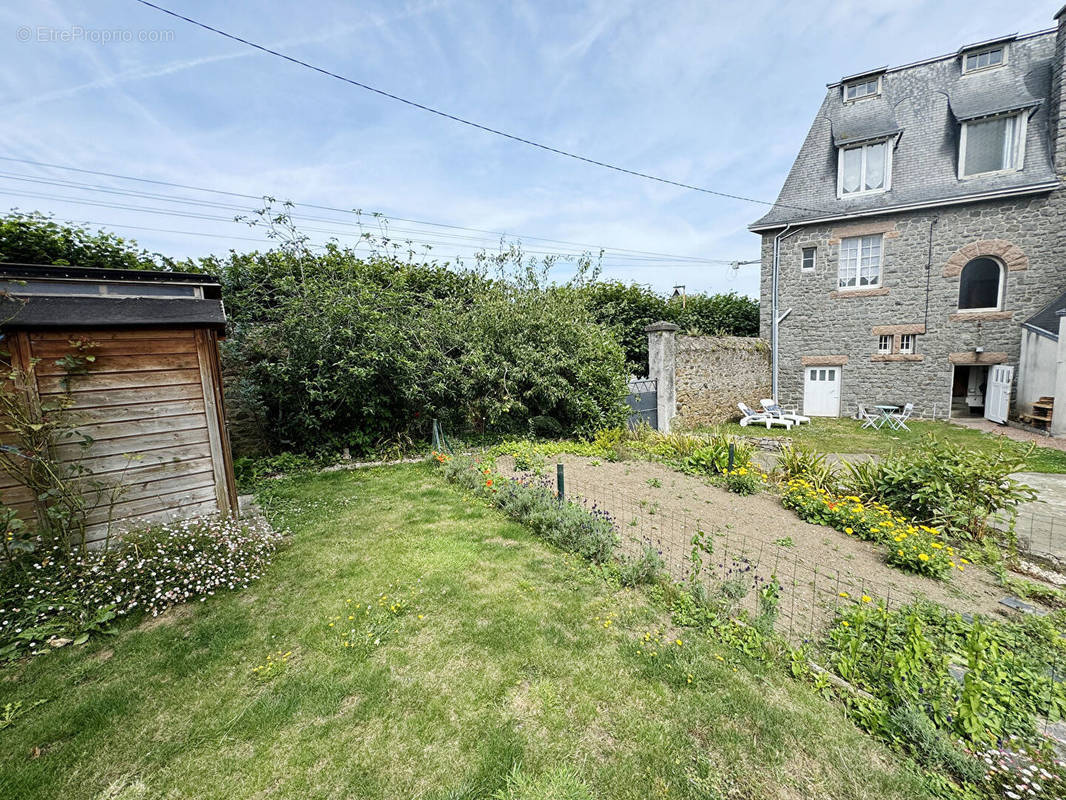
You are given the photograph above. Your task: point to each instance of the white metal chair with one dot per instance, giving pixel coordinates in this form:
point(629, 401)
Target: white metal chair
point(750, 416)
point(774, 410)
point(869, 420)
point(899, 421)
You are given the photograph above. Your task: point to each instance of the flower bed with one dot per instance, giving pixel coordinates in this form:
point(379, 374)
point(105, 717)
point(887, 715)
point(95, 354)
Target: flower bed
point(915, 548)
point(53, 598)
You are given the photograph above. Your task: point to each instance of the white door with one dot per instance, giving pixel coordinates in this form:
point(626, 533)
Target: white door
point(821, 391)
point(997, 394)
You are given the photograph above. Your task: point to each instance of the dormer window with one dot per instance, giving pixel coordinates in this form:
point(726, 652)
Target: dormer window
point(984, 59)
point(995, 144)
point(867, 87)
point(864, 169)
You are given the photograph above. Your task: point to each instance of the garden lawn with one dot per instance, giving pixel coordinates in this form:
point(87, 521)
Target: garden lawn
point(489, 655)
point(842, 435)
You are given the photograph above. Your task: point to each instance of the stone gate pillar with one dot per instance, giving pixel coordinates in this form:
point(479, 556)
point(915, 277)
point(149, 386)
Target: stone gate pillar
point(662, 349)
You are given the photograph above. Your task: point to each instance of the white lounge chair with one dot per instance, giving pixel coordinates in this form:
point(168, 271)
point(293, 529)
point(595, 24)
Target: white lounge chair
point(898, 421)
point(750, 416)
point(774, 410)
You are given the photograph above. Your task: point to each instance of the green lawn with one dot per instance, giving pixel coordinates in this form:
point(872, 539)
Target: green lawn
point(831, 435)
point(508, 658)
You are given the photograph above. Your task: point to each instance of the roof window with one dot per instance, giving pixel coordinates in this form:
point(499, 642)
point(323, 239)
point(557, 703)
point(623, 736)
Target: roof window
point(986, 58)
point(867, 87)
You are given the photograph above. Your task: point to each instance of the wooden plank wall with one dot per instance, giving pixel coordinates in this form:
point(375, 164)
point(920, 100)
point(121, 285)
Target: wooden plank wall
point(151, 403)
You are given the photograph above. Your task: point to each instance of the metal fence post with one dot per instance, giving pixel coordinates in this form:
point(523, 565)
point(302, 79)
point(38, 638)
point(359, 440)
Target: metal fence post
point(560, 483)
point(436, 438)
point(732, 455)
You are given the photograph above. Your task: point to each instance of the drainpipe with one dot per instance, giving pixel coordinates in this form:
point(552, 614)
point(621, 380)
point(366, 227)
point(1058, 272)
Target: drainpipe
point(774, 321)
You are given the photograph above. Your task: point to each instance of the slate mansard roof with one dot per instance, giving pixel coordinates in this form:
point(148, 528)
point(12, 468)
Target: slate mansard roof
point(922, 106)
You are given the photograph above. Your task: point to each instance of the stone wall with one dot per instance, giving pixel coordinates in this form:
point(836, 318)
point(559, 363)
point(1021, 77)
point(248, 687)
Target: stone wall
point(714, 373)
point(1024, 233)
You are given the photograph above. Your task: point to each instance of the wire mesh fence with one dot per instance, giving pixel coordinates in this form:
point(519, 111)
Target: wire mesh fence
point(737, 570)
point(1040, 536)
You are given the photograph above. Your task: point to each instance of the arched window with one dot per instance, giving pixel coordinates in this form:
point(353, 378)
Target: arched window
point(981, 284)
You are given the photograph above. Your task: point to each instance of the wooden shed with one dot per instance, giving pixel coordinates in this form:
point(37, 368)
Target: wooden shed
point(136, 355)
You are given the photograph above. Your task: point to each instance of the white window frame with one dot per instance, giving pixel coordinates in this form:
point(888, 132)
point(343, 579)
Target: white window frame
point(858, 265)
point(841, 194)
point(803, 259)
point(1001, 289)
point(884, 344)
point(906, 343)
point(980, 52)
point(864, 82)
point(1021, 122)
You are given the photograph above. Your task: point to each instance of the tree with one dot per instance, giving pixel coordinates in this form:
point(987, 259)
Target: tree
point(34, 238)
point(629, 308)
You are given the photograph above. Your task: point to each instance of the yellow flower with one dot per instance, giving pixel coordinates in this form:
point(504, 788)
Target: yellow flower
point(844, 594)
point(678, 642)
point(900, 552)
point(848, 531)
point(866, 598)
point(846, 624)
point(923, 557)
point(964, 561)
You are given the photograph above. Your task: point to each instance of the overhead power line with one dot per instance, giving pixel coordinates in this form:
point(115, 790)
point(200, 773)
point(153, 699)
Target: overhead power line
point(470, 123)
point(362, 218)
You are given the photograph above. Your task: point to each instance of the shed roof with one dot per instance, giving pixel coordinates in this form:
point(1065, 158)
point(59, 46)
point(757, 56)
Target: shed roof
point(51, 296)
point(1046, 321)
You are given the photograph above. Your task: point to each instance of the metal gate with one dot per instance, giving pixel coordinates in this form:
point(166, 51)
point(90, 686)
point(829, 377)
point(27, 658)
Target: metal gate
point(643, 403)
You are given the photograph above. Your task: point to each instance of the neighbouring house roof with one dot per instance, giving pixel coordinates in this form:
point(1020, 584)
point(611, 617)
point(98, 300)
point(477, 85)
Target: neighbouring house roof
point(1046, 321)
point(921, 107)
point(44, 296)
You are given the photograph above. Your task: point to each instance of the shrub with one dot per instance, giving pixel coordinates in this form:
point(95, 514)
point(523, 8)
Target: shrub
point(569, 526)
point(914, 548)
point(713, 456)
point(50, 597)
point(920, 550)
point(806, 464)
point(977, 681)
point(871, 522)
point(339, 349)
point(931, 746)
point(647, 568)
point(743, 480)
point(946, 486)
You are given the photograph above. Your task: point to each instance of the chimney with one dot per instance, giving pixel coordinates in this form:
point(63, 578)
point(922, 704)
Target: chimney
point(1058, 95)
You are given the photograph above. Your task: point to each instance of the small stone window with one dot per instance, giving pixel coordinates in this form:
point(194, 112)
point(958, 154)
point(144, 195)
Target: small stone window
point(884, 344)
point(981, 285)
point(810, 256)
point(906, 343)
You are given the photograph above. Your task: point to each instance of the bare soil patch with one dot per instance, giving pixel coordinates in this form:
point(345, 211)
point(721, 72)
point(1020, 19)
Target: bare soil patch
point(755, 538)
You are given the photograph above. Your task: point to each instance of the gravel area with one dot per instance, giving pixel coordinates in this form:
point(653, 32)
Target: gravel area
point(756, 537)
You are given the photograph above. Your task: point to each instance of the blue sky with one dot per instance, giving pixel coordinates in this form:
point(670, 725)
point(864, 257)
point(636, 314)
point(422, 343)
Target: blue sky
point(717, 94)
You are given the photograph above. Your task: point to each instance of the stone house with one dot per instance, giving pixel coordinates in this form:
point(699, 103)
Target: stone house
point(922, 223)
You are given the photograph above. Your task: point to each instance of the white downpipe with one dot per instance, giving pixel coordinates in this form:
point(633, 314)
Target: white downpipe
point(774, 321)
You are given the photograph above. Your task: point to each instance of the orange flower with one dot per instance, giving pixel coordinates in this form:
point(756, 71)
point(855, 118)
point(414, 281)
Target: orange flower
point(488, 482)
